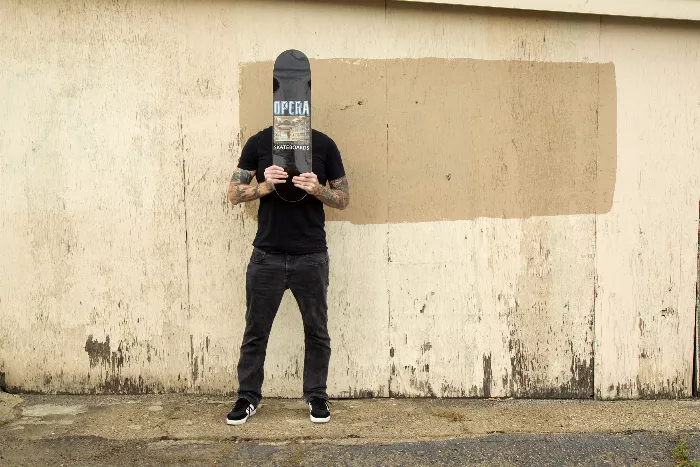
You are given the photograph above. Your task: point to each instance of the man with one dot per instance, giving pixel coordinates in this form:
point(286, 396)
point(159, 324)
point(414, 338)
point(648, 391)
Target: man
point(289, 251)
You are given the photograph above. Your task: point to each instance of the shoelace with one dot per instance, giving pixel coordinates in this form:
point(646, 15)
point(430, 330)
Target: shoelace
point(319, 404)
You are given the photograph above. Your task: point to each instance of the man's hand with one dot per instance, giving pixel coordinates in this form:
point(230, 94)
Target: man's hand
point(275, 175)
point(307, 182)
point(337, 196)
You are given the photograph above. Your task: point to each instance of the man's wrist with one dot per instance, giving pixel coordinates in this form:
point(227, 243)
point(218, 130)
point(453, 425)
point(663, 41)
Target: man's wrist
point(319, 190)
point(266, 188)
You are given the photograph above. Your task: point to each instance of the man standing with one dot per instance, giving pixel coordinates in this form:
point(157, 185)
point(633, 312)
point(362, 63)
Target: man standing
point(289, 251)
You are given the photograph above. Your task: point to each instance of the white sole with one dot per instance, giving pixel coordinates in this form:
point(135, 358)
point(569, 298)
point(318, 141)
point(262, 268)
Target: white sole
point(320, 420)
point(240, 422)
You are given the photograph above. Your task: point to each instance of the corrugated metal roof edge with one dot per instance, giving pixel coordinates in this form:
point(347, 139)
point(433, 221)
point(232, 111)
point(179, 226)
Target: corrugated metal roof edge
point(661, 9)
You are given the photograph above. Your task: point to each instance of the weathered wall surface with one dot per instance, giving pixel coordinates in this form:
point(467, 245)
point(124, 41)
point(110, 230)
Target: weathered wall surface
point(122, 262)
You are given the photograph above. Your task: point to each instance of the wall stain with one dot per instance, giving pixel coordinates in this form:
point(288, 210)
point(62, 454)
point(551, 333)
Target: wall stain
point(668, 389)
point(520, 384)
point(112, 363)
point(194, 362)
point(423, 386)
point(449, 390)
point(97, 351)
point(361, 393)
point(295, 373)
point(487, 376)
point(114, 384)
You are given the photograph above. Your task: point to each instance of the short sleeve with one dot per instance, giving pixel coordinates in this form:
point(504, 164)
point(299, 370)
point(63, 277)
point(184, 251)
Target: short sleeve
point(249, 155)
point(334, 163)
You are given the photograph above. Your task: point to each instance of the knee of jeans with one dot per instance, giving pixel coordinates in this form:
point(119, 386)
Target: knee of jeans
point(316, 333)
point(253, 340)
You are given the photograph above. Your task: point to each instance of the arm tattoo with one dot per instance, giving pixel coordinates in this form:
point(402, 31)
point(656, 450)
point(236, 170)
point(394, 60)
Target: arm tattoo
point(246, 194)
point(239, 189)
point(241, 176)
point(337, 196)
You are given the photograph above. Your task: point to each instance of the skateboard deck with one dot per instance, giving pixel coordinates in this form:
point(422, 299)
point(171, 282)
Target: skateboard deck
point(291, 121)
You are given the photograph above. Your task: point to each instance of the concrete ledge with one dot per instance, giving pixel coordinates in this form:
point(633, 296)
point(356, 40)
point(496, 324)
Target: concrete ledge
point(202, 418)
point(8, 407)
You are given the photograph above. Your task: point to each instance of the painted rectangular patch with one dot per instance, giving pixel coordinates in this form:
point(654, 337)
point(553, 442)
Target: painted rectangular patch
point(435, 139)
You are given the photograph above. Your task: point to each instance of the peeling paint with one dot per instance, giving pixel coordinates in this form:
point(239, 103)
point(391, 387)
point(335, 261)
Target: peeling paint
point(359, 394)
point(486, 390)
point(449, 390)
point(98, 352)
point(665, 389)
point(423, 387)
point(194, 362)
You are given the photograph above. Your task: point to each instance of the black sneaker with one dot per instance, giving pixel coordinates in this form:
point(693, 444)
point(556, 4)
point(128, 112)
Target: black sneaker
point(319, 410)
point(240, 412)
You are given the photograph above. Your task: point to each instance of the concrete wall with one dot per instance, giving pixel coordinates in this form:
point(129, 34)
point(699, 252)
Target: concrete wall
point(547, 249)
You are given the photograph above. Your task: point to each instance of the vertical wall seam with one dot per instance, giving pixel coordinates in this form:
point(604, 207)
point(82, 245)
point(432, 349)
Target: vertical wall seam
point(181, 142)
point(595, 226)
point(696, 355)
point(388, 252)
point(187, 243)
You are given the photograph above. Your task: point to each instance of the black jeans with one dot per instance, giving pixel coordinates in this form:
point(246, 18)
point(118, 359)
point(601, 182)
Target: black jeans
point(268, 276)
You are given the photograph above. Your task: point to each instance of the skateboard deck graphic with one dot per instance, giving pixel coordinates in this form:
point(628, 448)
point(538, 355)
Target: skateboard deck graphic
point(291, 121)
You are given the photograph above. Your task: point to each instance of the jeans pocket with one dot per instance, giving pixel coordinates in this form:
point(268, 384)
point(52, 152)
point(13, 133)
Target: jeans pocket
point(258, 256)
point(317, 259)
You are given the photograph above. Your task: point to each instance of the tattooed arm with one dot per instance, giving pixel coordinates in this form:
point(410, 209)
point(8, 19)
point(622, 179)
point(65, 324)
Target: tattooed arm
point(337, 196)
point(240, 190)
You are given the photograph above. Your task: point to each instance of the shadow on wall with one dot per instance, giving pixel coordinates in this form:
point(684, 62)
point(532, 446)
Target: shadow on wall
point(435, 139)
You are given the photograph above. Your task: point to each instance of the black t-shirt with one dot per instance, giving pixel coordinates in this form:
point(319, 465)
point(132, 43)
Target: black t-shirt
point(284, 227)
